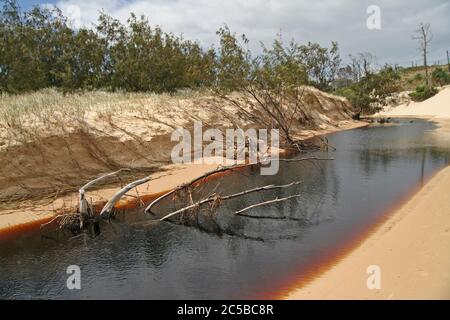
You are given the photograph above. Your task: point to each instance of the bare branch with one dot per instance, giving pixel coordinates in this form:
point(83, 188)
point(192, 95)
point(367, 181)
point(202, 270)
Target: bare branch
point(203, 176)
point(265, 203)
point(83, 204)
point(220, 170)
point(107, 209)
point(220, 198)
point(302, 159)
point(83, 189)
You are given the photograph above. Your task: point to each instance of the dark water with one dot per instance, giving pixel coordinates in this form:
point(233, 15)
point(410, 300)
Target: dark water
point(243, 257)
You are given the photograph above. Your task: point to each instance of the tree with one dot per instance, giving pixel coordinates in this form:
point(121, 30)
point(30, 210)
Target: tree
point(39, 49)
point(361, 65)
point(372, 90)
point(233, 62)
point(280, 66)
point(269, 85)
point(424, 36)
point(322, 64)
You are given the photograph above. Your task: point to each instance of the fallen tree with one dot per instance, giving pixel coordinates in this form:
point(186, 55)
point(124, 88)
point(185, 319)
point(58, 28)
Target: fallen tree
point(265, 203)
point(86, 216)
point(109, 206)
point(215, 199)
point(85, 209)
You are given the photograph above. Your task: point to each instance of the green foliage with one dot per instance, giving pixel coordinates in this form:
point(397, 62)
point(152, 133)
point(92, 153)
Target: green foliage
point(36, 46)
point(39, 50)
point(280, 66)
point(321, 63)
point(372, 89)
point(422, 93)
point(440, 76)
point(418, 76)
point(233, 62)
point(268, 84)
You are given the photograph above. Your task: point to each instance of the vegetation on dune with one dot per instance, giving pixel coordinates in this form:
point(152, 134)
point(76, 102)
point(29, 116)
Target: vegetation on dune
point(422, 93)
point(440, 77)
point(41, 50)
point(412, 77)
point(424, 37)
point(368, 94)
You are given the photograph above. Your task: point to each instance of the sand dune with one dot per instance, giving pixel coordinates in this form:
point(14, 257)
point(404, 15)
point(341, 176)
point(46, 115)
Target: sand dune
point(437, 106)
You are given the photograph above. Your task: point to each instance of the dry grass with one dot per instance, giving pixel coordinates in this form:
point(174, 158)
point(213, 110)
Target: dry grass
point(27, 117)
point(45, 104)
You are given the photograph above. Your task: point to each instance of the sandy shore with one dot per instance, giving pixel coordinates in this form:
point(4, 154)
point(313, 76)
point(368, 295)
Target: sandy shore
point(16, 221)
point(40, 212)
point(412, 248)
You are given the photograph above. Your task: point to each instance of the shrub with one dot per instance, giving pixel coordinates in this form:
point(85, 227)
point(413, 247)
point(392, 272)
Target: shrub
point(440, 77)
point(371, 91)
point(422, 93)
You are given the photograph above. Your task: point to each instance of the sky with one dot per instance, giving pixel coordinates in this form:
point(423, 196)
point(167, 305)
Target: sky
point(389, 38)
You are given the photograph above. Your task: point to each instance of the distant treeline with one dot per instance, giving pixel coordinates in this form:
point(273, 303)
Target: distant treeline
point(39, 49)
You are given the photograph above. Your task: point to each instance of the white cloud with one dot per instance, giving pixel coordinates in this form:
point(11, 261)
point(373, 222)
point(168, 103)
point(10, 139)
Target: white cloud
point(261, 20)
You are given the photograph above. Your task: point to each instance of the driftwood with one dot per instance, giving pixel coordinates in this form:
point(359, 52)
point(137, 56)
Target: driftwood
point(265, 203)
point(77, 221)
point(185, 185)
point(84, 207)
point(217, 198)
point(109, 206)
point(219, 170)
point(92, 182)
point(252, 216)
point(61, 219)
point(302, 159)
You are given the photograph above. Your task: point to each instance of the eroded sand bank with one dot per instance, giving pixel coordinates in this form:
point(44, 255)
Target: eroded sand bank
point(31, 216)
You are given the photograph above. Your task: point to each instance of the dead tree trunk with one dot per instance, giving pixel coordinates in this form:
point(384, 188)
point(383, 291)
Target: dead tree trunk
point(84, 207)
point(109, 206)
point(424, 37)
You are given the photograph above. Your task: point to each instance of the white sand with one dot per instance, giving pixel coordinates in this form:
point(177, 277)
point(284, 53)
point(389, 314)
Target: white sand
point(437, 106)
